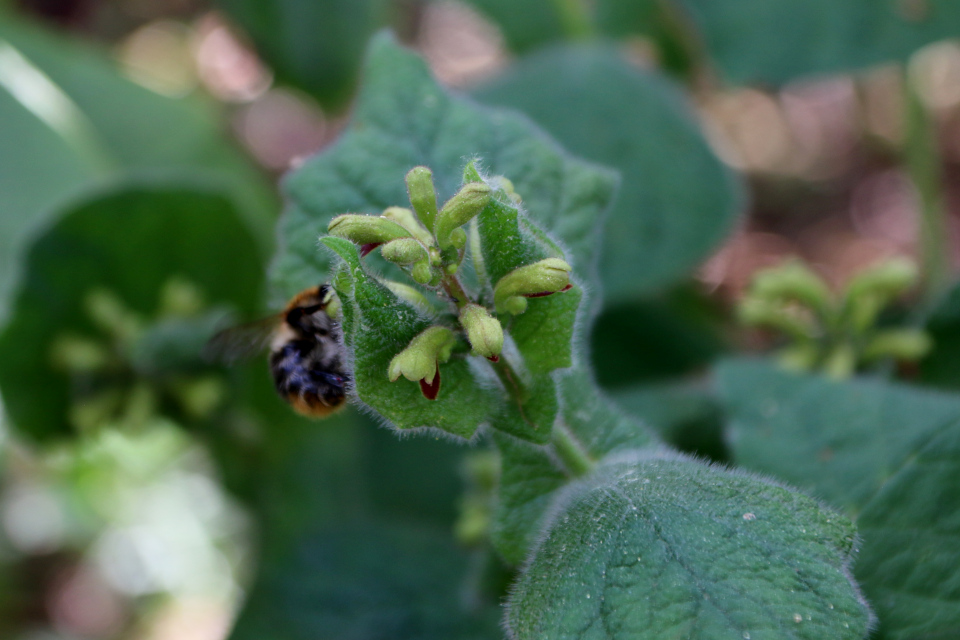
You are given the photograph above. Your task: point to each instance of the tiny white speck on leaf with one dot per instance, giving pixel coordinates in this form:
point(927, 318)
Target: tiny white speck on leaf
point(797, 618)
point(749, 516)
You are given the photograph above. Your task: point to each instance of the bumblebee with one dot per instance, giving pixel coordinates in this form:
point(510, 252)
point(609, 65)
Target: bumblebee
point(306, 355)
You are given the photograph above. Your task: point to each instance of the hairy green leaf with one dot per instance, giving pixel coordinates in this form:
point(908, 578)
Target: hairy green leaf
point(657, 546)
point(377, 326)
point(676, 201)
point(888, 453)
point(404, 119)
point(129, 242)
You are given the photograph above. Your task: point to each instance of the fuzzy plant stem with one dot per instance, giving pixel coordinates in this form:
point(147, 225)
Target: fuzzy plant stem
point(455, 290)
point(922, 159)
point(573, 455)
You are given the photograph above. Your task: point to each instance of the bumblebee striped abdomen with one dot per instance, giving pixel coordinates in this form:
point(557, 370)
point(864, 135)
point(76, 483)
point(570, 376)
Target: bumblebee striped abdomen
point(307, 379)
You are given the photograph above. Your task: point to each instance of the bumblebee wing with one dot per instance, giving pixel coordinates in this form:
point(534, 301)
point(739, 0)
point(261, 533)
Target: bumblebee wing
point(241, 342)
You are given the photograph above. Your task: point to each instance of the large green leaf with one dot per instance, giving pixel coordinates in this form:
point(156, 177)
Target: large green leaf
point(372, 582)
point(404, 119)
point(657, 546)
point(316, 46)
point(72, 122)
point(129, 242)
point(676, 201)
point(748, 41)
point(889, 454)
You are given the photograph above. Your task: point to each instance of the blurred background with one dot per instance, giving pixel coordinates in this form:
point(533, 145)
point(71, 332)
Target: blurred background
point(837, 143)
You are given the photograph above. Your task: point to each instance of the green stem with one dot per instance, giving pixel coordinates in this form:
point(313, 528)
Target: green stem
point(574, 457)
point(455, 290)
point(922, 158)
point(511, 380)
point(575, 19)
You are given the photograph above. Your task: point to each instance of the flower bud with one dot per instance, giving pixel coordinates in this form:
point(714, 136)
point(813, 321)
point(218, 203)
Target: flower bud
point(332, 305)
point(420, 361)
point(792, 280)
point(362, 229)
point(406, 219)
point(423, 196)
point(532, 281)
point(458, 238)
point(404, 251)
point(871, 290)
point(901, 344)
point(794, 322)
point(459, 210)
point(74, 354)
point(423, 273)
point(411, 295)
point(888, 279)
point(109, 313)
point(483, 331)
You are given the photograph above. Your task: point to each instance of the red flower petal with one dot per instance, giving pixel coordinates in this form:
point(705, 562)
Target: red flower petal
point(367, 248)
point(543, 294)
point(431, 390)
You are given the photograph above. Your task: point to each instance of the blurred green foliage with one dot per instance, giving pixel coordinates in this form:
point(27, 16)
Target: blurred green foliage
point(131, 225)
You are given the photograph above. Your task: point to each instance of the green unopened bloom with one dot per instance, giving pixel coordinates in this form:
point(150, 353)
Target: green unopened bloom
point(873, 289)
point(420, 361)
point(792, 280)
point(888, 279)
point(404, 251)
point(901, 344)
point(483, 331)
point(406, 219)
point(410, 294)
point(423, 195)
point(532, 281)
point(459, 210)
point(366, 230)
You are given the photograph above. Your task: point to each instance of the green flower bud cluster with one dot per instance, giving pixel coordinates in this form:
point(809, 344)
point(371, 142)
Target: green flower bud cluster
point(119, 371)
point(835, 333)
point(429, 243)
